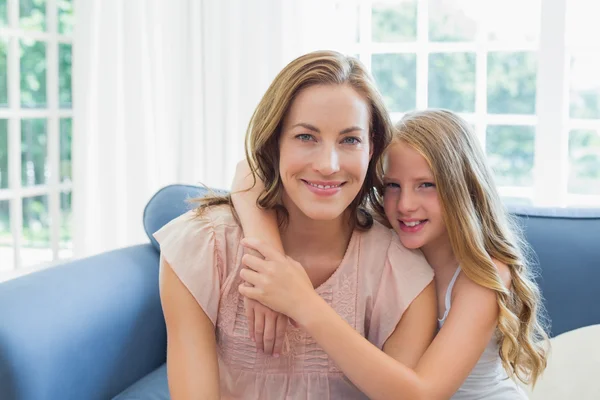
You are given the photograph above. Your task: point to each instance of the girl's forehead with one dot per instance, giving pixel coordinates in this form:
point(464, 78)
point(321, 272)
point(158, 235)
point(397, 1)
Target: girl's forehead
point(402, 159)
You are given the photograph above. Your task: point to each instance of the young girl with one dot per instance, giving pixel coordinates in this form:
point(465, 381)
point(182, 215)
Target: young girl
point(319, 182)
point(439, 197)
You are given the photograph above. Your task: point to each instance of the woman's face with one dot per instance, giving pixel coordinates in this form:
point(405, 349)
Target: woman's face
point(324, 150)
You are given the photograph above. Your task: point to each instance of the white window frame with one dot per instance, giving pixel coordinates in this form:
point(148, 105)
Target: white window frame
point(551, 163)
point(52, 114)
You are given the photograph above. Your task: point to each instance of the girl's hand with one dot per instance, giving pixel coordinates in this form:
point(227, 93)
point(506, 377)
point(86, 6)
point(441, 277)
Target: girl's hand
point(278, 281)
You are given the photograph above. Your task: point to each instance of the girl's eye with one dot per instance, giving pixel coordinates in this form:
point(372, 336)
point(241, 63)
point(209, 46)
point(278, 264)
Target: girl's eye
point(428, 185)
point(351, 140)
point(392, 185)
point(305, 137)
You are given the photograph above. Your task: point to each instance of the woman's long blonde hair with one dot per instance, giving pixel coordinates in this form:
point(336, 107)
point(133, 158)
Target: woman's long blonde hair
point(480, 231)
point(262, 135)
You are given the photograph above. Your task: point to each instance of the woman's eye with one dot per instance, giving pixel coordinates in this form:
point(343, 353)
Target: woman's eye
point(305, 137)
point(351, 140)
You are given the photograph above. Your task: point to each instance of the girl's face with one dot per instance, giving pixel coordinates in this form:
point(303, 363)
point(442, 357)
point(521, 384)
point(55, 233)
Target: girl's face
point(411, 200)
point(324, 150)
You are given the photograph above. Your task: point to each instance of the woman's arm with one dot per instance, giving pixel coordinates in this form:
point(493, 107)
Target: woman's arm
point(282, 284)
point(265, 327)
point(192, 367)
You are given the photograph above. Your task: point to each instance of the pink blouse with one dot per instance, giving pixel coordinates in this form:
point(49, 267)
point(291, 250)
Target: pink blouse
point(372, 287)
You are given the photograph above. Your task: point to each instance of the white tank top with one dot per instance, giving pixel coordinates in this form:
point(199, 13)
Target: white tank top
point(488, 379)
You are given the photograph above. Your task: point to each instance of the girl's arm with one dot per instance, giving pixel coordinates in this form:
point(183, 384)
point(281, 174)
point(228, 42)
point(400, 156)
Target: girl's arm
point(282, 284)
point(192, 367)
point(265, 327)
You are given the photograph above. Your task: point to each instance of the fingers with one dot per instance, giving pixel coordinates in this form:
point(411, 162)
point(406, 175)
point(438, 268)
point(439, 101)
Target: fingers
point(267, 251)
point(269, 332)
point(259, 330)
point(252, 277)
point(280, 329)
point(253, 262)
point(249, 315)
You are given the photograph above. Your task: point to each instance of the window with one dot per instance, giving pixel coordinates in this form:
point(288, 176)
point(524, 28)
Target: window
point(35, 132)
point(502, 70)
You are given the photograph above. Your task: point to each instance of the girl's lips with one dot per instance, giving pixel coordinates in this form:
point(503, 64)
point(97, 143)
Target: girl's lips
point(334, 187)
point(411, 229)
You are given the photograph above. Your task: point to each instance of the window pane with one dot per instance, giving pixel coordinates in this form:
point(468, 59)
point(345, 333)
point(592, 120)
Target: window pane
point(32, 14)
point(34, 167)
point(513, 20)
point(511, 83)
point(66, 227)
point(66, 19)
point(584, 162)
point(510, 152)
point(3, 154)
point(585, 85)
point(7, 259)
point(3, 13)
point(3, 73)
point(64, 75)
point(395, 23)
point(65, 149)
point(36, 231)
point(396, 77)
point(582, 23)
point(452, 81)
point(33, 74)
point(453, 20)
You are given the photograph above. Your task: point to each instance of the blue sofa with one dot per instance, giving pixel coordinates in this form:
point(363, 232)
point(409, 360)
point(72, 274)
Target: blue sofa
point(93, 328)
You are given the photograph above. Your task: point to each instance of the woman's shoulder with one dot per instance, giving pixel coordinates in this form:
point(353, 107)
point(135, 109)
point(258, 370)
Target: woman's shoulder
point(385, 239)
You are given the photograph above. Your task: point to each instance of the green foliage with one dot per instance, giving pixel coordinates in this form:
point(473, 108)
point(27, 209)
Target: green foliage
point(452, 81)
point(396, 76)
point(510, 152)
point(395, 23)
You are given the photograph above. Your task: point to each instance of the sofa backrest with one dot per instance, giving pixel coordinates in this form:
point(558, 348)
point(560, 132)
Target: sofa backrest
point(565, 242)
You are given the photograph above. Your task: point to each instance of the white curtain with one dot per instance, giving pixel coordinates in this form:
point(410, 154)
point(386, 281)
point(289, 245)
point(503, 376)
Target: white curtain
point(163, 91)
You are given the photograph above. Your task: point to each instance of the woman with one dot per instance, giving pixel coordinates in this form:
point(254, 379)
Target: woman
point(315, 143)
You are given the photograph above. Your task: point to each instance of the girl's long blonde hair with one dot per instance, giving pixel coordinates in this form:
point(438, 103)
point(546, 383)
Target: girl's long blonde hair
point(481, 231)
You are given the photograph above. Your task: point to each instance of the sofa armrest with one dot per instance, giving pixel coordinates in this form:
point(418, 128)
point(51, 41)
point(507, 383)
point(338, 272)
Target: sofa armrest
point(86, 329)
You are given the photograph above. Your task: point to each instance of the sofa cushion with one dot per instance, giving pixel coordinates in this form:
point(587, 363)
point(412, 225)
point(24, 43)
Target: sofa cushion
point(566, 243)
point(573, 366)
point(169, 203)
point(151, 387)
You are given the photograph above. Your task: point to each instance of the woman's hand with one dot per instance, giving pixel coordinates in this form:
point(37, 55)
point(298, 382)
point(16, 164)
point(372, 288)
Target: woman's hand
point(278, 281)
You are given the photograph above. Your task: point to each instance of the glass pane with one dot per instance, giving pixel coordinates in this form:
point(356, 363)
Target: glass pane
point(3, 73)
point(33, 74)
point(3, 153)
point(66, 227)
point(64, 75)
point(396, 77)
point(453, 20)
point(582, 23)
point(65, 149)
point(395, 23)
point(7, 255)
point(32, 14)
point(3, 13)
point(511, 83)
point(584, 162)
point(585, 85)
point(512, 20)
point(34, 152)
point(66, 20)
point(510, 152)
point(452, 81)
point(36, 231)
